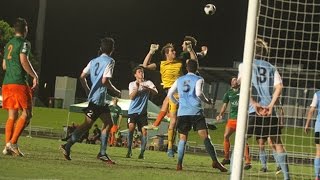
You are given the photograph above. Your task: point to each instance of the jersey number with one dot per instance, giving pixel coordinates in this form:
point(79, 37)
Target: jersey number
point(97, 68)
point(261, 78)
point(10, 48)
point(186, 86)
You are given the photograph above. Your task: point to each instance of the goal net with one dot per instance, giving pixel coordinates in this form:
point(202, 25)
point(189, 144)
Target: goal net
point(291, 29)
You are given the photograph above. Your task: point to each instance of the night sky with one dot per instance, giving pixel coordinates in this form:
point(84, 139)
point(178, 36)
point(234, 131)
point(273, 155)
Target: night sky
point(73, 29)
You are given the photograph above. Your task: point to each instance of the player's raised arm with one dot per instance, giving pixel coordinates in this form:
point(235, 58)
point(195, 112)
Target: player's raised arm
point(147, 60)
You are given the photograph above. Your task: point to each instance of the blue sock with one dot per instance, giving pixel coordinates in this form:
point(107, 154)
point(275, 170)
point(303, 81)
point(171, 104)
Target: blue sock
point(74, 137)
point(263, 158)
point(181, 147)
point(210, 149)
point(143, 143)
point(130, 139)
point(104, 143)
point(317, 166)
point(274, 153)
point(282, 159)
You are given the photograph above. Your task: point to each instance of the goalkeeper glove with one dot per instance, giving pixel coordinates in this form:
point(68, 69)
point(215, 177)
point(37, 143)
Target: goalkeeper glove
point(154, 48)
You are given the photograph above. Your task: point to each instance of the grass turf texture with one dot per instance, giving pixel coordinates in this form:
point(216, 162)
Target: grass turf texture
point(43, 160)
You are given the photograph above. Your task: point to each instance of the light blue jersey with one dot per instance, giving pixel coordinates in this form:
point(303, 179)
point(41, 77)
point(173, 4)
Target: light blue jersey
point(99, 67)
point(316, 103)
point(189, 103)
point(262, 81)
point(140, 103)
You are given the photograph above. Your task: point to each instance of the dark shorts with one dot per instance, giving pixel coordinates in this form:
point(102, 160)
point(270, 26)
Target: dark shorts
point(139, 119)
point(263, 127)
point(94, 111)
point(317, 137)
point(185, 123)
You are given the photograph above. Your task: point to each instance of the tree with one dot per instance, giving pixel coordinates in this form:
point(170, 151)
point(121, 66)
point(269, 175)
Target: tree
point(7, 34)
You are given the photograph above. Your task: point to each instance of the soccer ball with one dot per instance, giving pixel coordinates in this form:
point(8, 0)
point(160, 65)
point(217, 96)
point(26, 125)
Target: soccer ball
point(209, 9)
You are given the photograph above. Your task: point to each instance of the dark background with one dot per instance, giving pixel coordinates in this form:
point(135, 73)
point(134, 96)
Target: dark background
point(73, 29)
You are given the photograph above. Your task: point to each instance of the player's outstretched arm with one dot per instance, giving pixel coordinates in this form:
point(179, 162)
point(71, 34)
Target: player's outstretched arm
point(84, 82)
point(106, 81)
point(147, 60)
point(29, 69)
point(309, 116)
point(223, 109)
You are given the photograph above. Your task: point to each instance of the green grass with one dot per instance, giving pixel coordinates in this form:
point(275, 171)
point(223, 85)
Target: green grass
point(43, 160)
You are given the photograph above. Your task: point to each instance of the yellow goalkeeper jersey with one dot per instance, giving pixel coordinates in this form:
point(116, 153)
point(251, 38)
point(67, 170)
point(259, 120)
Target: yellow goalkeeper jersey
point(170, 71)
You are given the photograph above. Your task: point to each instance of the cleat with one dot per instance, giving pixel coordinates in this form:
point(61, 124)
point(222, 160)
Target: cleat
point(170, 153)
point(129, 154)
point(105, 158)
point(65, 152)
point(6, 150)
point(212, 126)
point(179, 167)
point(247, 166)
point(263, 169)
point(151, 127)
point(141, 156)
point(225, 161)
point(278, 171)
point(218, 165)
point(13, 148)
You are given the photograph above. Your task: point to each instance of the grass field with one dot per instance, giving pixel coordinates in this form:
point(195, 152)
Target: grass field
point(44, 161)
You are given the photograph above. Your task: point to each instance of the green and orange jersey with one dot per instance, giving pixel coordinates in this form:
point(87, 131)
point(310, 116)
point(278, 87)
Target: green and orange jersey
point(170, 71)
point(15, 74)
point(232, 96)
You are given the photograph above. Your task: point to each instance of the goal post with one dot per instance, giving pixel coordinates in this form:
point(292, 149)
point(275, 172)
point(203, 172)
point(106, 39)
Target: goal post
point(291, 29)
point(248, 55)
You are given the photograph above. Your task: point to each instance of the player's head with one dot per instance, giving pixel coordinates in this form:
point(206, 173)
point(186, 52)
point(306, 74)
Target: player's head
point(115, 100)
point(234, 82)
point(188, 38)
point(168, 52)
point(192, 65)
point(107, 45)
point(262, 48)
point(21, 27)
point(138, 72)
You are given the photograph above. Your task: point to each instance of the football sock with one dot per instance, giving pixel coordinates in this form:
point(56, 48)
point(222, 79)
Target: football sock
point(282, 159)
point(77, 133)
point(181, 147)
point(274, 153)
point(143, 144)
point(104, 143)
point(226, 145)
point(170, 138)
point(210, 149)
point(130, 139)
point(263, 158)
point(9, 129)
point(317, 167)
point(20, 124)
point(247, 154)
point(160, 116)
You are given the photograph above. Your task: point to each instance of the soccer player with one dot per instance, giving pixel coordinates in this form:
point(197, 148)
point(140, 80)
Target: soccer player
point(262, 141)
point(139, 92)
point(232, 96)
point(313, 107)
point(264, 124)
point(116, 114)
point(16, 93)
point(191, 114)
point(170, 69)
point(100, 70)
point(184, 55)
